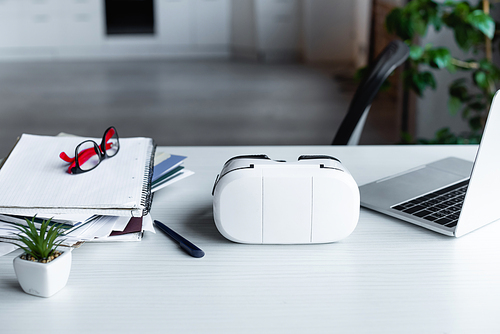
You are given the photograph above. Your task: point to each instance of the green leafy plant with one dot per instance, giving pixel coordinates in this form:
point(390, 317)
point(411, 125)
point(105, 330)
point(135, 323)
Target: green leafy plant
point(39, 244)
point(474, 31)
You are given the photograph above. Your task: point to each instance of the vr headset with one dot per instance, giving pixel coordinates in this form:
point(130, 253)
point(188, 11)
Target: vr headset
point(257, 200)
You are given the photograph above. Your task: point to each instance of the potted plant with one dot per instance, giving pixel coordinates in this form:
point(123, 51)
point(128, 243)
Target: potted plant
point(474, 31)
point(41, 270)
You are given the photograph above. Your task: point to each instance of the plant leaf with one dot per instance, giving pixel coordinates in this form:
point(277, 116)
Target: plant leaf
point(462, 37)
point(481, 79)
point(428, 79)
point(39, 245)
point(416, 52)
point(482, 22)
point(440, 57)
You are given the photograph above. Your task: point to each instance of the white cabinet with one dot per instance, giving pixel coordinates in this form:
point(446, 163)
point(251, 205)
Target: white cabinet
point(74, 28)
point(9, 6)
point(268, 29)
point(82, 22)
point(38, 6)
point(173, 21)
point(39, 22)
point(193, 22)
point(278, 24)
point(10, 11)
point(50, 23)
point(211, 22)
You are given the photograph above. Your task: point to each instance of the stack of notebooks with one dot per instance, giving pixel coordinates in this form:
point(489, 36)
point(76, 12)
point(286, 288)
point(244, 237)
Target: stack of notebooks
point(109, 203)
point(167, 170)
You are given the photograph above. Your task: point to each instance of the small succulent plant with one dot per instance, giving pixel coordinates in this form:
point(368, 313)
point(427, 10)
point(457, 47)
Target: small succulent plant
point(40, 245)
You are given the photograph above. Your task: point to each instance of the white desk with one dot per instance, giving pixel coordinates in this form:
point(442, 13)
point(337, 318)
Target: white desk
point(387, 277)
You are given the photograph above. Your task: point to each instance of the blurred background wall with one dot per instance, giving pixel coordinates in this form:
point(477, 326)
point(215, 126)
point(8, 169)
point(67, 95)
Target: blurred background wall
point(185, 72)
point(334, 37)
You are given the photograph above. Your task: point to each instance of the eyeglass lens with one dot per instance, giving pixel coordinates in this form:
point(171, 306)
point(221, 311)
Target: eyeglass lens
point(88, 155)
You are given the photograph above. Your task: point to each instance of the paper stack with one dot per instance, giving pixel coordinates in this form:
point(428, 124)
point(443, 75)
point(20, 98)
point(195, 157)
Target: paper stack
point(109, 203)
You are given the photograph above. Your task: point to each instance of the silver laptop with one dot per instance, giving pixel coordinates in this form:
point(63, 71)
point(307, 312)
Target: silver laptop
point(450, 196)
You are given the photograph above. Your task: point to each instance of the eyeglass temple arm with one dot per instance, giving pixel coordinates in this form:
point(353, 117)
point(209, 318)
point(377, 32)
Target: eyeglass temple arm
point(65, 157)
point(82, 157)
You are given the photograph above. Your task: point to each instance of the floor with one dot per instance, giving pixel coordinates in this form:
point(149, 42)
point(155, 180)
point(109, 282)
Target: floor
point(179, 102)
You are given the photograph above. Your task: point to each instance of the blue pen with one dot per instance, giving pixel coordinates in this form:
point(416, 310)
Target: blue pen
point(186, 245)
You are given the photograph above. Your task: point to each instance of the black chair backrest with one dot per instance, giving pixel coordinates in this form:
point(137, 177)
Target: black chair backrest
point(394, 54)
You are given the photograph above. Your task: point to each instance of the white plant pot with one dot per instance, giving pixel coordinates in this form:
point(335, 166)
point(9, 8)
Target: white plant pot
point(43, 279)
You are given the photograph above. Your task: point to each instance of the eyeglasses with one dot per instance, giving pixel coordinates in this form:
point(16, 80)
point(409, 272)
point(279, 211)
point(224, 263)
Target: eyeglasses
point(88, 155)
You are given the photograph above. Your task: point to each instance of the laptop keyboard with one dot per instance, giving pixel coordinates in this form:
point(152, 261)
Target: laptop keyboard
point(442, 206)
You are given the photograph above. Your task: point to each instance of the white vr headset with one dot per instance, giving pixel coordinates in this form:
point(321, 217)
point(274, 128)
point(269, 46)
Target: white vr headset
point(262, 201)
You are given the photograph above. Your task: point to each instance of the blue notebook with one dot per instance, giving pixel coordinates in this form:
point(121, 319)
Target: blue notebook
point(167, 165)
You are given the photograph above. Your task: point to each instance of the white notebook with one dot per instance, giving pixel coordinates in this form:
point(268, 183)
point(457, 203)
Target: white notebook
point(34, 180)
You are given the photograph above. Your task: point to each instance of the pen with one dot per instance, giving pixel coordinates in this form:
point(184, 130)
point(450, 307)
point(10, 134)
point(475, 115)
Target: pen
point(185, 244)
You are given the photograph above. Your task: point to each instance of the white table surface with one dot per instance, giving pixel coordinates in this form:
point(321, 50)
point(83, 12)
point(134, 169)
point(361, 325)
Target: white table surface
point(387, 277)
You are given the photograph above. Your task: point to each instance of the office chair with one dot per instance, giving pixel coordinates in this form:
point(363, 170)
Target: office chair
point(349, 132)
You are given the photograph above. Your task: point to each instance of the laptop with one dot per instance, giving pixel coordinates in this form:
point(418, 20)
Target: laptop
point(451, 196)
